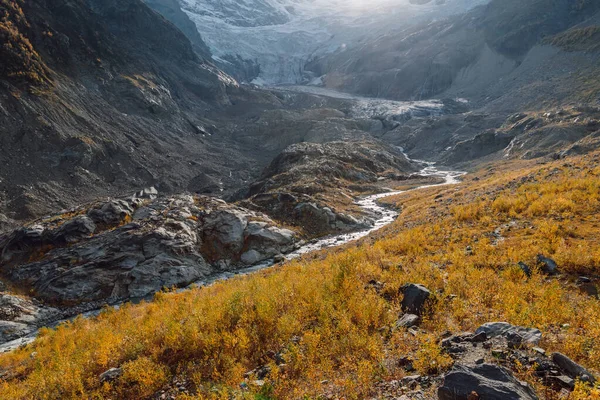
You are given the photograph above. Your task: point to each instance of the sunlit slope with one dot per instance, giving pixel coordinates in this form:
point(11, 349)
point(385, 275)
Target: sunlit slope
point(329, 320)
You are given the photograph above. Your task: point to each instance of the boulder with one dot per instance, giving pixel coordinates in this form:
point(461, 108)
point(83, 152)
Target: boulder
point(148, 193)
point(407, 321)
point(111, 375)
point(547, 265)
point(489, 382)
point(572, 369)
point(74, 230)
point(516, 335)
point(20, 316)
point(111, 213)
point(415, 297)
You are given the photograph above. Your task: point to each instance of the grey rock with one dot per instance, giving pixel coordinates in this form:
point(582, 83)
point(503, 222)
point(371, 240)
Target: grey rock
point(515, 334)
point(407, 321)
point(172, 242)
point(489, 381)
point(252, 257)
point(547, 265)
point(75, 229)
point(20, 316)
point(111, 213)
point(415, 297)
point(571, 368)
point(148, 193)
point(111, 375)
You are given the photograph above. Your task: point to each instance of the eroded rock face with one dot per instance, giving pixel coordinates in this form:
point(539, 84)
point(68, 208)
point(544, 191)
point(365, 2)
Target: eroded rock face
point(125, 249)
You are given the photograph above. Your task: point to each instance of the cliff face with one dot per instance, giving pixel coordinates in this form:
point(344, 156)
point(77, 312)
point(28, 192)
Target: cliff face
point(171, 10)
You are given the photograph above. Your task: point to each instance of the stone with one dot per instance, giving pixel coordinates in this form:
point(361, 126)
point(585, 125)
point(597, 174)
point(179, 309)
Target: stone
point(525, 268)
point(74, 230)
point(111, 213)
point(488, 381)
point(148, 193)
point(514, 334)
point(251, 257)
point(415, 297)
point(547, 265)
point(407, 321)
point(561, 382)
point(571, 368)
point(111, 375)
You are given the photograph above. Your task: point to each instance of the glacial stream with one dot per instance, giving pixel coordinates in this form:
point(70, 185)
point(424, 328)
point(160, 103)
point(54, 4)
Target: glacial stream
point(370, 204)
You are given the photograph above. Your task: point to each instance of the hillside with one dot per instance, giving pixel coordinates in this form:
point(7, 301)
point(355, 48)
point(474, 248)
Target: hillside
point(326, 326)
point(417, 221)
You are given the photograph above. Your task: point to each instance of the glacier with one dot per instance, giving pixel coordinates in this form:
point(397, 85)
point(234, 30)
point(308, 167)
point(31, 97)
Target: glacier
point(281, 36)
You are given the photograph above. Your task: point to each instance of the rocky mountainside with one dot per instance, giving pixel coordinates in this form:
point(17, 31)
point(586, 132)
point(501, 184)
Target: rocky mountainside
point(100, 97)
point(489, 54)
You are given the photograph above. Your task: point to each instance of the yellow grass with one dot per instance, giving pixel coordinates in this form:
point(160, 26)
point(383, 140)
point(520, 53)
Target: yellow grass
point(334, 330)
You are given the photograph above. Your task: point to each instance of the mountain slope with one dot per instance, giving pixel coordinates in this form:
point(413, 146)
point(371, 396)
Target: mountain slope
point(102, 97)
point(483, 55)
point(330, 326)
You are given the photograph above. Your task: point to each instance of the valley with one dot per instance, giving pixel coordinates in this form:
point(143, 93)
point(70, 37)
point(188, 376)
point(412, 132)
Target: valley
point(273, 199)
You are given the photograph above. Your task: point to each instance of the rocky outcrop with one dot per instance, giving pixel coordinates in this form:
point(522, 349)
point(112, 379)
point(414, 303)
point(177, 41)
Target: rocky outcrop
point(313, 186)
point(555, 134)
point(124, 249)
point(515, 335)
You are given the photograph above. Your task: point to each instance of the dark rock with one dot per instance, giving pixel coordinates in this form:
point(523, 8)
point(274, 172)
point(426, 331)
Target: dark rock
point(525, 268)
point(112, 213)
point(489, 381)
point(560, 382)
point(514, 334)
point(72, 231)
point(547, 265)
point(415, 297)
point(572, 369)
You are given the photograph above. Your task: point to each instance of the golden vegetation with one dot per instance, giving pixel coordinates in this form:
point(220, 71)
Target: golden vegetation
point(20, 61)
point(334, 329)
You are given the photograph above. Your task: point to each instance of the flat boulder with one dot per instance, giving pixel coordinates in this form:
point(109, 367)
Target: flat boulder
point(516, 335)
point(487, 381)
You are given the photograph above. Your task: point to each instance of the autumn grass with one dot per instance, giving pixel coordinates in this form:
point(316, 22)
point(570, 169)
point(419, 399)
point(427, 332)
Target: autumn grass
point(334, 330)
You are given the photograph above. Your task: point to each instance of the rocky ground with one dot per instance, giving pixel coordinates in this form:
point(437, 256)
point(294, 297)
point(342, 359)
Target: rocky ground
point(489, 363)
point(127, 249)
point(313, 186)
